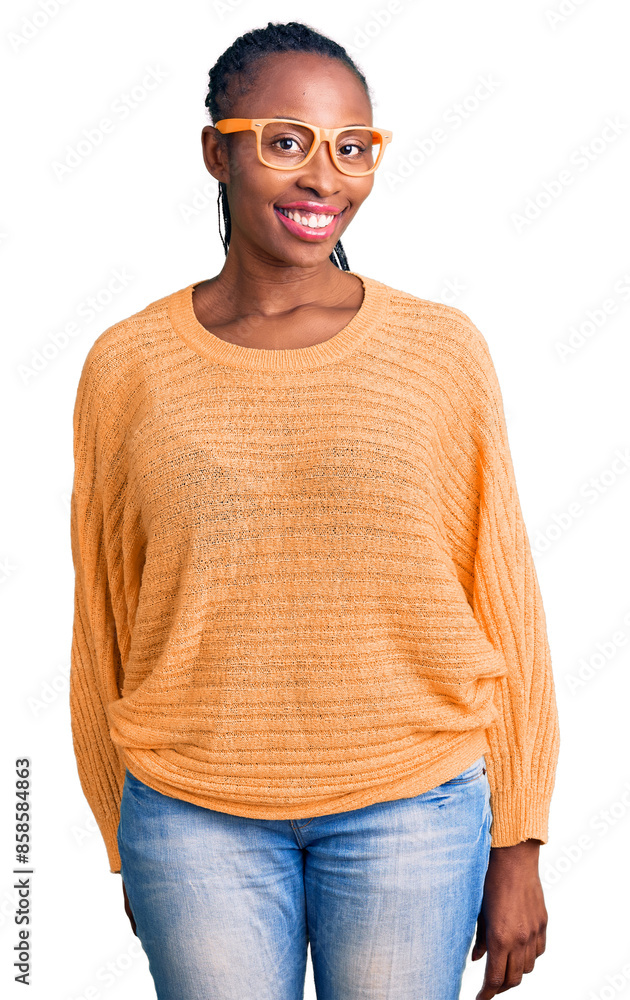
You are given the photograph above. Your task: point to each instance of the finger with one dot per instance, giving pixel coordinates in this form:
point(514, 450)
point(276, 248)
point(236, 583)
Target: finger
point(542, 941)
point(529, 958)
point(495, 971)
point(513, 969)
point(479, 947)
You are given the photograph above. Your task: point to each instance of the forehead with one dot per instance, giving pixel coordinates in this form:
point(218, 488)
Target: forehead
point(302, 85)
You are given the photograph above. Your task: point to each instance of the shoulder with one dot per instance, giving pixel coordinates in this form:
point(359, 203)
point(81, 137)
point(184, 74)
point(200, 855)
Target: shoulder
point(119, 352)
point(438, 328)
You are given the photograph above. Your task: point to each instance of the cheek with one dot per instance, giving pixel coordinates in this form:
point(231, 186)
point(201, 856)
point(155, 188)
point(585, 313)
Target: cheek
point(253, 194)
point(365, 188)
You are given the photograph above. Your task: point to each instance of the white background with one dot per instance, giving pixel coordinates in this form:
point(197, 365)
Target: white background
point(450, 222)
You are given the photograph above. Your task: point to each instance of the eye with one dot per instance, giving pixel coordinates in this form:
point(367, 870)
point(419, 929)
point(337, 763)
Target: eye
point(351, 145)
point(294, 139)
point(287, 139)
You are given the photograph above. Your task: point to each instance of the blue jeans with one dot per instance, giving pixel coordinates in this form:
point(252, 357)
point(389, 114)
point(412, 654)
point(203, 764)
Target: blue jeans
point(388, 895)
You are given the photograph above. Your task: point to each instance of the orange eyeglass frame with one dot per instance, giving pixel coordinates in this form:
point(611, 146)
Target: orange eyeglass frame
point(328, 135)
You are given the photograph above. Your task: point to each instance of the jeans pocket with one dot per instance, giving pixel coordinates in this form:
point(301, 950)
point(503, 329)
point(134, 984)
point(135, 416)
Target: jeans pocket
point(471, 773)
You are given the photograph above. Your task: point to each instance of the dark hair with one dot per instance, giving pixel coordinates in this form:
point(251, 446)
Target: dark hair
point(239, 58)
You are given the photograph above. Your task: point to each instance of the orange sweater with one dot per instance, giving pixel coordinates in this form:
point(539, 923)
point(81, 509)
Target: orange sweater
point(303, 579)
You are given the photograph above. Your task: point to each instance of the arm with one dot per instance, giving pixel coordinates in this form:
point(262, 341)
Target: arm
point(507, 603)
point(95, 663)
point(524, 736)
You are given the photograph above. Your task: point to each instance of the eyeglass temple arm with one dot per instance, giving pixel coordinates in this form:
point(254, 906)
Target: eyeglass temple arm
point(233, 124)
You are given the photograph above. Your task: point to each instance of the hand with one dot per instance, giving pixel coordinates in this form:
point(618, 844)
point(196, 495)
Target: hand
point(513, 919)
point(128, 911)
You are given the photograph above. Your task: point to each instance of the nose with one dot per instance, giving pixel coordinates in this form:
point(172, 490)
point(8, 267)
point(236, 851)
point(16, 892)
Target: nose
point(320, 173)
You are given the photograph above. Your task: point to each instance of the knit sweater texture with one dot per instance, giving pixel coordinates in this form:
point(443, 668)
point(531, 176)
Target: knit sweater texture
point(303, 581)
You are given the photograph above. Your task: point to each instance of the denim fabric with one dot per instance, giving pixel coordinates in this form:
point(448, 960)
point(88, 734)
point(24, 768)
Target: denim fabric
point(387, 895)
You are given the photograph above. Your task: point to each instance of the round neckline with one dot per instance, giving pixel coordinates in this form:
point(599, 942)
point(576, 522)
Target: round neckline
point(205, 343)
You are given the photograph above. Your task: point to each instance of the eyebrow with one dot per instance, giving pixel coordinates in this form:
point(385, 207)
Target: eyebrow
point(290, 118)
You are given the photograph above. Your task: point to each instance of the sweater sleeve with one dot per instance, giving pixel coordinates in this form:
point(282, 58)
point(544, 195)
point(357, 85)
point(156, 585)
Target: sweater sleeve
point(524, 736)
point(95, 664)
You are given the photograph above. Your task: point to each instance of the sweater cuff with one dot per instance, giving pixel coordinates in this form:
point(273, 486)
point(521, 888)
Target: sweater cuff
point(110, 836)
point(518, 814)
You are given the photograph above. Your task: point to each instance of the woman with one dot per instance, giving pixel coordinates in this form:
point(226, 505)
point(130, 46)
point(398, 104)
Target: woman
point(311, 689)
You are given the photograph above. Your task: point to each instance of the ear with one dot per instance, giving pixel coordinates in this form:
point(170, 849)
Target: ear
point(215, 153)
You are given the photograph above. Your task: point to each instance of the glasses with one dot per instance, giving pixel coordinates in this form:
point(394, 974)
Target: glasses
point(286, 144)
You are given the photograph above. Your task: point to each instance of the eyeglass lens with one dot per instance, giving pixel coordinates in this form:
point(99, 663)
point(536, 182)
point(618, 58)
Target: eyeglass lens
point(287, 144)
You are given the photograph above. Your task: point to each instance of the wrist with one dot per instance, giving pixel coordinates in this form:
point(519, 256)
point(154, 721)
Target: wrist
point(525, 850)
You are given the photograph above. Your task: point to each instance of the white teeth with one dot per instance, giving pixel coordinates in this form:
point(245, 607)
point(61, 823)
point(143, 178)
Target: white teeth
point(312, 221)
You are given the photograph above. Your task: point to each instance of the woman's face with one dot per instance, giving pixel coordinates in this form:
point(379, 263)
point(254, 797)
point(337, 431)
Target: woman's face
point(310, 88)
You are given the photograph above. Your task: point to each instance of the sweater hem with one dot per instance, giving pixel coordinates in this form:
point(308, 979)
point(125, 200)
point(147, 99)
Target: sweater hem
point(455, 753)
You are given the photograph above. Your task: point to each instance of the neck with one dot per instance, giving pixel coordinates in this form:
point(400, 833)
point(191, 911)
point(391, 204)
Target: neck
point(248, 284)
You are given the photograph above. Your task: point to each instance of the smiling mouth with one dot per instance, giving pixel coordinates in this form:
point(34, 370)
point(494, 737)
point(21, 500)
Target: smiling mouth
point(313, 225)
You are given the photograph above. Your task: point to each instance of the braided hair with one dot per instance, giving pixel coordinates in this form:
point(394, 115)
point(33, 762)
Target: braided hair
point(293, 36)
